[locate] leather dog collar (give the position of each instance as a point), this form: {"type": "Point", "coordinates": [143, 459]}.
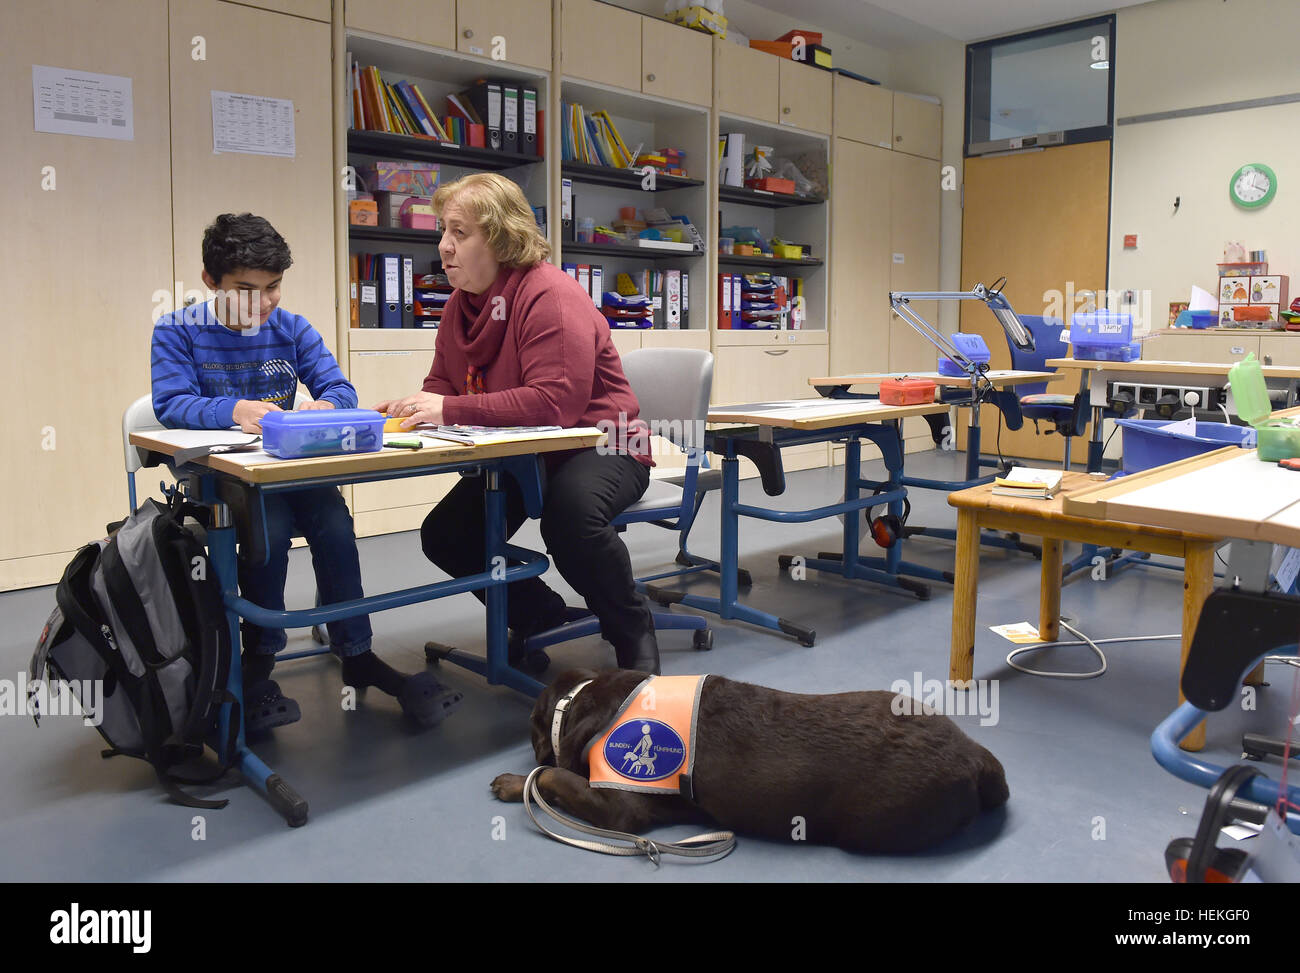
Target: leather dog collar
{"type": "Point", "coordinates": [557, 718]}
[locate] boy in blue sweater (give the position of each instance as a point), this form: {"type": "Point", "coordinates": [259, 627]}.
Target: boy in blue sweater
{"type": "Point", "coordinates": [228, 362]}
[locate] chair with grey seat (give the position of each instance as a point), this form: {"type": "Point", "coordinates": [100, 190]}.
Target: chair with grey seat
{"type": "Point", "coordinates": [672, 386]}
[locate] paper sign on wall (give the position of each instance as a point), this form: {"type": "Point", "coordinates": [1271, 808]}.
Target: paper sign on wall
{"type": "Point", "coordinates": [252, 124]}
{"type": "Point", "coordinates": [68, 102]}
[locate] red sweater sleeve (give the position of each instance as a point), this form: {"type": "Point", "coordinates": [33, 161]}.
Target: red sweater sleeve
{"type": "Point", "coordinates": [438, 381]}
{"type": "Point", "coordinates": [557, 362]}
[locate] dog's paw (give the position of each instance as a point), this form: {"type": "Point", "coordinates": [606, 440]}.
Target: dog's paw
{"type": "Point", "coordinates": [508, 787]}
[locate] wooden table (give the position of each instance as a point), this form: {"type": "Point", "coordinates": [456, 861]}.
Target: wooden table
{"type": "Point", "coordinates": [979, 508]}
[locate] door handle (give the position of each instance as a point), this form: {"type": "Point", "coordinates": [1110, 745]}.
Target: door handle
{"type": "Point", "coordinates": [776, 351]}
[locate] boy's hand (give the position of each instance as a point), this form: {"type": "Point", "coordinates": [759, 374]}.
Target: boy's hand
{"type": "Point", "coordinates": [420, 407]}
{"type": "Point", "coordinates": [249, 414]}
{"type": "Point", "coordinates": [305, 406]}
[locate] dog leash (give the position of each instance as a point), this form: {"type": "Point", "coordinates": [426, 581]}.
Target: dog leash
{"type": "Point", "coordinates": [715, 844]}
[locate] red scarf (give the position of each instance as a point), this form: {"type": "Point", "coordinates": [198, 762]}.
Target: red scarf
{"type": "Point", "coordinates": [479, 322]}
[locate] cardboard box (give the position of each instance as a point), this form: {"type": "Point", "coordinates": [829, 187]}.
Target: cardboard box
{"type": "Point", "coordinates": [363, 212]}
{"type": "Point", "coordinates": [772, 185]}
{"type": "Point", "coordinates": [410, 178]}
{"type": "Point", "coordinates": [700, 18]}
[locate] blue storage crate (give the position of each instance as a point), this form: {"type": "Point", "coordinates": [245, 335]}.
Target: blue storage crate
{"type": "Point", "coordinates": [1149, 442]}
{"type": "Point", "coordinates": [322, 432]}
{"type": "Point", "coordinates": [1104, 336]}
{"type": "Point", "coordinates": [970, 345]}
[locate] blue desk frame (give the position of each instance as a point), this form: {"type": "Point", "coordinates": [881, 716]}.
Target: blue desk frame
{"type": "Point", "coordinates": [887, 570]}
{"type": "Point", "coordinates": [201, 484]}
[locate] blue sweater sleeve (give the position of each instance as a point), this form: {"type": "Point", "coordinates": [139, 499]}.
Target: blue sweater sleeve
{"type": "Point", "coordinates": [176, 399]}
{"type": "Point", "coordinates": [318, 370]}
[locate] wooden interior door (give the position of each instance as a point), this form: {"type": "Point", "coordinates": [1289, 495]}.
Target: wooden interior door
{"type": "Point", "coordinates": [1040, 219]}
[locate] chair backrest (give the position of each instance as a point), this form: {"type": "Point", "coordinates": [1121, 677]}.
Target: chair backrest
{"type": "Point", "coordinates": [1047, 344]}
{"type": "Point", "coordinates": [673, 386]}
{"type": "Point", "coordinates": [138, 417]}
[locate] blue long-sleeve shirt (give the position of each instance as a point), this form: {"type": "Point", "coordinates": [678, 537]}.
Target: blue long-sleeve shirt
{"type": "Point", "coordinates": [201, 368]}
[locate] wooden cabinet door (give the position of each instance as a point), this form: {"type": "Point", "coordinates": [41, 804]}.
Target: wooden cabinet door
{"type": "Point", "coordinates": [863, 112]}
{"type": "Point", "coordinates": [380, 375]}
{"type": "Point", "coordinates": [918, 126]}
{"type": "Point", "coordinates": [746, 82]}
{"type": "Point", "coordinates": [255, 52]}
{"type": "Point", "coordinates": [522, 26]}
{"type": "Point", "coordinates": [757, 373]}
{"type": "Point", "coordinates": [676, 62]}
{"type": "Point", "coordinates": [431, 22]}
{"type": "Point", "coordinates": [625, 341]}
{"type": "Point", "coordinates": [1279, 349]}
{"type": "Point", "coordinates": [860, 324]}
{"type": "Point", "coordinates": [90, 217]}
{"type": "Point", "coordinates": [601, 43]}
{"type": "Point", "coordinates": [805, 96]}
{"type": "Point", "coordinates": [312, 9]}
{"type": "Point", "coordinates": [914, 255]}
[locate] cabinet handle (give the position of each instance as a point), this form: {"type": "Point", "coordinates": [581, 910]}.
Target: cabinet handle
{"type": "Point", "coordinates": [777, 351]}
{"type": "Point", "coordinates": [649, 77]}
{"type": "Point", "coordinates": [190, 301]}
{"type": "Point", "coordinates": [1268, 359]}
{"type": "Point", "coordinates": [468, 34]}
{"type": "Point", "coordinates": [785, 110]}
{"type": "Point", "coordinates": [898, 138]}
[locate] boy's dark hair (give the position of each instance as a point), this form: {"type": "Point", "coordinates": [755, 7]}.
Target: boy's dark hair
{"type": "Point", "coordinates": [243, 240]}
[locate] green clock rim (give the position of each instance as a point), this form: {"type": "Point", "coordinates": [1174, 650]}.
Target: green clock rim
{"type": "Point", "coordinates": [1266, 198]}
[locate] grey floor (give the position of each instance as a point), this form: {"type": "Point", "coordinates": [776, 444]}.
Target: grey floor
{"type": "Point", "coordinates": [389, 802]}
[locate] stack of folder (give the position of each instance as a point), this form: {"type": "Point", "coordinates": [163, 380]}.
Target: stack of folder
{"type": "Point", "coordinates": [382, 290]}
{"type": "Point", "coordinates": [593, 138]}
{"type": "Point", "coordinates": [499, 115]}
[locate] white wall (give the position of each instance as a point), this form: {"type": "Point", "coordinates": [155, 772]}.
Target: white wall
{"type": "Point", "coordinates": [1174, 54]}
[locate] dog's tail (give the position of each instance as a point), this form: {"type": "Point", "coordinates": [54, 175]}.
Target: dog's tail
{"type": "Point", "coordinates": [992, 782]}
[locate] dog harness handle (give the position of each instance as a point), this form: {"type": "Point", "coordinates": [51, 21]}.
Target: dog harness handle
{"type": "Point", "coordinates": [714, 844]}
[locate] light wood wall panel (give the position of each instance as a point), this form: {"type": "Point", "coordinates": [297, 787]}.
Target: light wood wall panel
{"type": "Point", "coordinates": [1039, 219]}
{"type": "Point", "coordinates": [255, 52]}
{"type": "Point", "coordinates": [81, 262]}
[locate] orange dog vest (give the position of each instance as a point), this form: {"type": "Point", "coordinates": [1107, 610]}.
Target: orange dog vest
{"type": "Point", "coordinates": [649, 746]}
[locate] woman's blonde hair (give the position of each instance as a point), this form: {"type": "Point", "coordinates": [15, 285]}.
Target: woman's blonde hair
{"type": "Point", "coordinates": [498, 207]}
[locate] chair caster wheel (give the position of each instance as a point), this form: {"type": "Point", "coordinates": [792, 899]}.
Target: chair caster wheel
{"type": "Point", "coordinates": [702, 640]}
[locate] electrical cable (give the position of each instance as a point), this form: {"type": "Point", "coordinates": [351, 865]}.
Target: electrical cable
{"type": "Point", "coordinates": [1084, 640]}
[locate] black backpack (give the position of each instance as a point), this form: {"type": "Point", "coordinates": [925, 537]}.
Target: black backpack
{"type": "Point", "coordinates": [141, 612]}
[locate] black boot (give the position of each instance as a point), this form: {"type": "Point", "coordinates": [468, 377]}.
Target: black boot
{"type": "Point", "coordinates": [641, 655]}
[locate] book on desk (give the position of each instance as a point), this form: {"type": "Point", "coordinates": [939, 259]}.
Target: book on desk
{"type": "Point", "coordinates": [1022, 481]}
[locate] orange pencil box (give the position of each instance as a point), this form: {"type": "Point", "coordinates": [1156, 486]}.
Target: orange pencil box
{"type": "Point", "coordinates": [906, 391]}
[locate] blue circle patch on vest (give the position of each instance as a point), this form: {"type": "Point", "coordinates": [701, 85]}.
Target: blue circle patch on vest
{"type": "Point", "coordinates": [645, 750]}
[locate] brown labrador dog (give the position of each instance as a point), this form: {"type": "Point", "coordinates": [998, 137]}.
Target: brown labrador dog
{"type": "Point", "coordinates": [840, 769]}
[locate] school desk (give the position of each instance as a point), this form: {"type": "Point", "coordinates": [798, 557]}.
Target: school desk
{"type": "Point", "coordinates": [1202, 379]}
{"type": "Point", "coordinates": [767, 428]}
{"type": "Point", "coordinates": [1055, 522]}
{"type": "Point", "coordinates": [225, 482]}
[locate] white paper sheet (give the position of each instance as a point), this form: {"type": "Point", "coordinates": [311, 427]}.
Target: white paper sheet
{"type": "Point", "coordinates": [252, 124]}
{"type": "Point", "coordinates": [1202, 300]}
{"type": "Point", "coordinates": [69, 102]}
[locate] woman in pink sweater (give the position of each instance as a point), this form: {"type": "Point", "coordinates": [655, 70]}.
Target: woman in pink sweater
{"type": "Point", "coordinates": [521, 344]}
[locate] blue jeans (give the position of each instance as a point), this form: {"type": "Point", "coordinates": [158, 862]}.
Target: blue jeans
{"type": "Point", "coordinates": [321, 516]}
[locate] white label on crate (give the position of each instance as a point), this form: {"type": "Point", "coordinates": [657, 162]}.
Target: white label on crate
{"type": "Point", "coordinates": [1288, 569]}
{"type": "Point", "coordinates": [1237, 350]}
{"type": "Point", "coordinates": [1110, 327]}
{"type": "Point", "coordinates": [898, 258]}
{"type": "Point", "coordinates": [1065, 336]}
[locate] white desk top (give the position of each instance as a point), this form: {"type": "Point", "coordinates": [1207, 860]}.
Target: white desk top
{"type": "Point", "coordinates": [1000, 377]}
{"type": "Point", "coordinates": [1228, 492]}
{"type": "Point", "coordinates": [258, 466]}
{"type": "Point", "coordinates": [818, 413]}
{"type": "Point", "coordinates": [1174, 367]}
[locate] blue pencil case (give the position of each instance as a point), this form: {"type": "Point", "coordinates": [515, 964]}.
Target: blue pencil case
{"type": "Point", "coordinates": [322, 432]}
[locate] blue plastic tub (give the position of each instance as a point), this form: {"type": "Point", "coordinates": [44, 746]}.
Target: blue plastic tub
{"type": "Point", "coordinates": [1148, 443]}
{"type": "Point", "coordinates": [322, 432]}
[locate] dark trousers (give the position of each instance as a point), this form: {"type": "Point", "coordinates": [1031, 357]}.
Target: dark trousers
{"type": "Point", "coordinates": [322, 517]}
{"type": "Point", "coordinates": [583, 494]}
